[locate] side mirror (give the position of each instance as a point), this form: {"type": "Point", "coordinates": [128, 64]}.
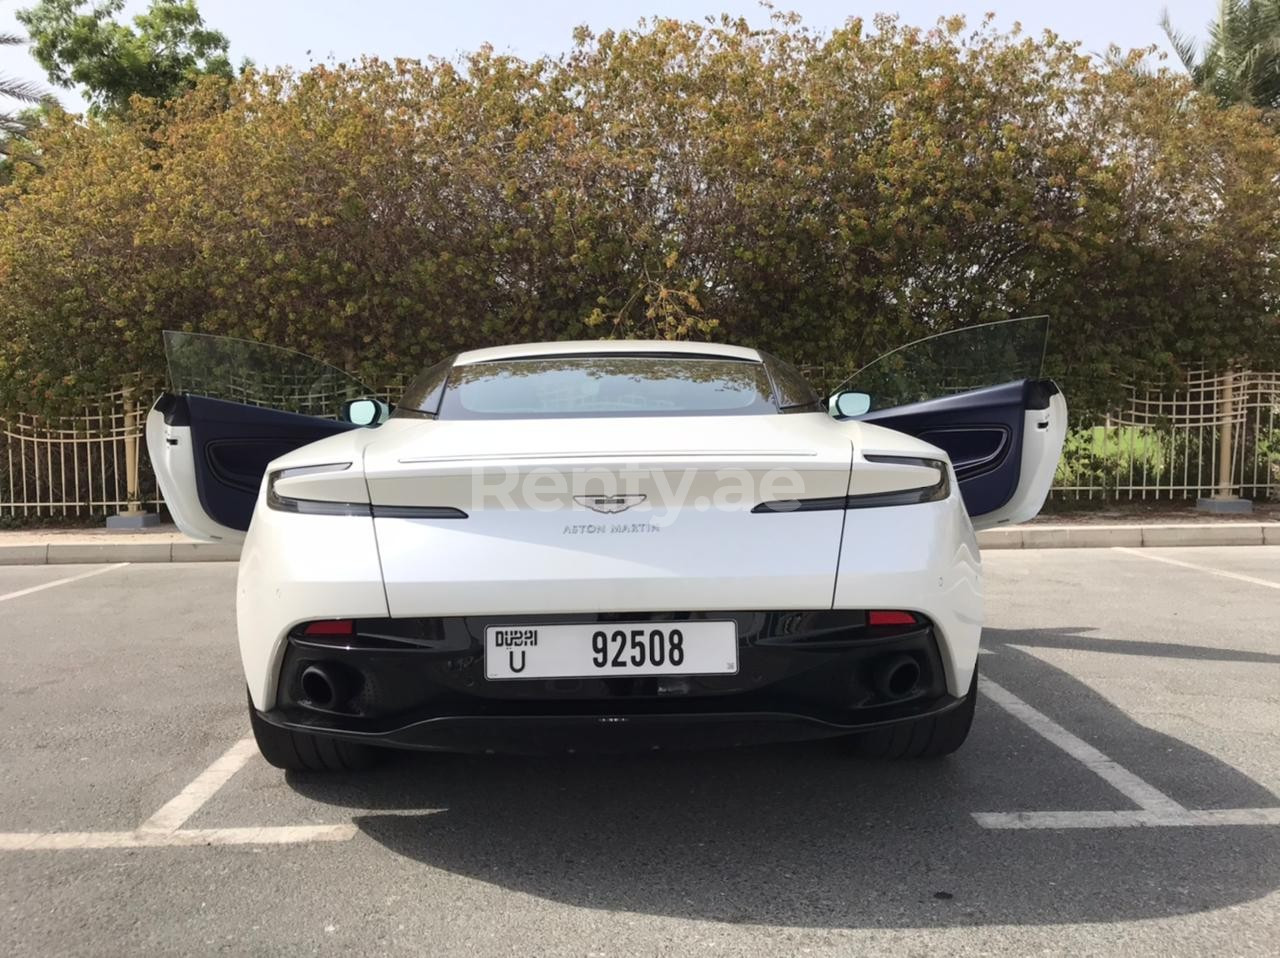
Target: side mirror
{"type": "Point", "coordinates": [849, 405]}
{"type": "Point", "coordinates": [365, 412]}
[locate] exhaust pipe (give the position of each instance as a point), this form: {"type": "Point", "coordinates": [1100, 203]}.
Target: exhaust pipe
{"type": "Point", "coordinates": [897, 677]}
{"type": "Point", "coordinates": [326, 686]}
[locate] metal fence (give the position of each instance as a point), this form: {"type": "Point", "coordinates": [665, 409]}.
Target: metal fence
{"type": "Point", "coordinates": [90, 464]}
{"type": "Point", "coordinates": [1168, 443]}
{"type": "Point", "coordinates": [1161, 444]}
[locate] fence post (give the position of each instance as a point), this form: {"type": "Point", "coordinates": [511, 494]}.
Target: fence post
{"type": "Point", "coordinates": [132, 516]}
{"type": "Point", "coordinates": [1225, 435]}
{"type": "Point", "coordinates": [1224, 500]}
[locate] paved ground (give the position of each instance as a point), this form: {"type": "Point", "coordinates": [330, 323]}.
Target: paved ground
{"type": "Point", "coordinates": [1124, 687]}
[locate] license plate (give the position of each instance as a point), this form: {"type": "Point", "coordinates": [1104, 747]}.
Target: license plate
{"type": "Point", "coordinates": [595, 650]}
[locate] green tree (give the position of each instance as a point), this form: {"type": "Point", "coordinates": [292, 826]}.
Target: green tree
{"type": "Point", "coordinates": [160, 56]}
{"type": "Point", "coordinates": [22, 105]}
{"type": "Point", "coordinates": [1240, 62]}
{"type": "Point", "coordinates": [823, 196]}
{"type": "Point", "coordinates": [25, 93]}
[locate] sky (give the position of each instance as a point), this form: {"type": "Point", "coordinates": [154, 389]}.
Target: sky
{"type": "Point", "coordinates": [300, 32]}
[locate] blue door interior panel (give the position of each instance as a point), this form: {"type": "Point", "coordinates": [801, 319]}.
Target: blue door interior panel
{"type": "Point", "coordinates": [232, 444]}
{"type": "Point", "coordinates": [981, 432]}
{"type": "Point", "coordinates": [972, 449]}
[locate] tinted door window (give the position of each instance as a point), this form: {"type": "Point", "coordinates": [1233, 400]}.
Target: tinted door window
{"type": "Point", "coordinates": [256, 374]}
{"type": "Point", "coordinates": [954, 362]}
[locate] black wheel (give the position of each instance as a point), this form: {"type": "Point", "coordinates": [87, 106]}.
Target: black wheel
{"type": "Point", "coordinates": [930, 737]}
{"type": "Point", "coordinates": [298, 751]}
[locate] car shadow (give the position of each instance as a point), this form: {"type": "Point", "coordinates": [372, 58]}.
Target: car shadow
{"type": "Point", "coordinates": [805, 836]}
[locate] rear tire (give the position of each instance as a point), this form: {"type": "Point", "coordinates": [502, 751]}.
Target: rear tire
{"type": "Point", "coordinates": [300, 752]}
{"type": "Point", "coordinates": [931, 737]}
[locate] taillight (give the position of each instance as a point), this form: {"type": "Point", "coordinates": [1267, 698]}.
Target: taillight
{"type": "Point", "coordinates": [885, 617]}
{"type": "Point", "coordinates": [316, 507]}
{"type": "Point", "coordinates": [905, 497]}
{"type": "Point", "coordinates": [330, 627]}
{"type": "Point", "coordinates": [935, 492]}
{"type": "Point", "coordinates": [323, 507]}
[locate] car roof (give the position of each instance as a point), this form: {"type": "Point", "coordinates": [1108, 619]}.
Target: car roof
{"type": "Point", "coordinates": [605, 347]}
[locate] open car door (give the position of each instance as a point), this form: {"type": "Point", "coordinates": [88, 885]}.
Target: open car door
{"type": "Point", "coordinates": [232, 407]}
{"type": "Point", "coordinates": [978, 394]}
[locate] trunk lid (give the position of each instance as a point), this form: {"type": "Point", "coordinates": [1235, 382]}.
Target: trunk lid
{"type": "Point", "coordinates": [627, 514]}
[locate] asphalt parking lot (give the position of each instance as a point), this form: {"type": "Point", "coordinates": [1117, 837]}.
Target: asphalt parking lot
{"type": "Point", "coordinates": [1119, 794]}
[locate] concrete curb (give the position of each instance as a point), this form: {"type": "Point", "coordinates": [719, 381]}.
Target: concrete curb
{"type": "Point", "coordinates": [99, 547]}
{"type": "Point", "coordinates": [1135, 537]}
{"type": "Point", "coordinates": [65, 553]}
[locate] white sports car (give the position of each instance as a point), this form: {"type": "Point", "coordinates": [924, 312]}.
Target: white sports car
{"type": "Point", "coordinates": [600, 545]}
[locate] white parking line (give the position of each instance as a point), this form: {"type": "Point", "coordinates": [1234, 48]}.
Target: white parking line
{"type": "Point", "coordinates": [1145, 796]}
{"type": "Point", "coordinates": [74, 841]}
{"type": "Point", "coordinates": [1155, 808]}
{"type": "Point", "coordinates": [71, 578]}
{"type": "Point", "coordinates": [164, 828]}
{"type": "Point", "coordinates": [178, 809]}
{"type": "Point", "coordinates": [1129, 819]}
{"type": "Point", "coordinates": [1144, 554]}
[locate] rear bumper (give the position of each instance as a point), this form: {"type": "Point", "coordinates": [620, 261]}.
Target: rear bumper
{"type": "Point", "coordinates": [420, 683]}
{"type": "Point", "coordinates": [919, 558]}
{"type": "Point", "coordinates": [599, 734]}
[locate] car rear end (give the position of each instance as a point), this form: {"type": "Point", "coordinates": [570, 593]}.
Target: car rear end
{"type": "Point", "coordinates": [607, 583]}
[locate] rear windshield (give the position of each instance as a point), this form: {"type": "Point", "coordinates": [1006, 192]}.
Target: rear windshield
{"type": "Point", "coordinates": [617, 385]}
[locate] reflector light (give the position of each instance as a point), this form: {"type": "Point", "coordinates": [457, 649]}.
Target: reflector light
{"type": "Point", "coordinates": [882, 617]}
{"type": "Point", "coordinates": [331, 627]}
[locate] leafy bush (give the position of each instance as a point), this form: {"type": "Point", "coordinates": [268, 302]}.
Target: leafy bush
{"type": "Point", "coordinates": [1104, 457]}
{"type": "Point", "coordinates": [823, 196]}
{"type": "Point", "coordinates": [1267, 458]}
